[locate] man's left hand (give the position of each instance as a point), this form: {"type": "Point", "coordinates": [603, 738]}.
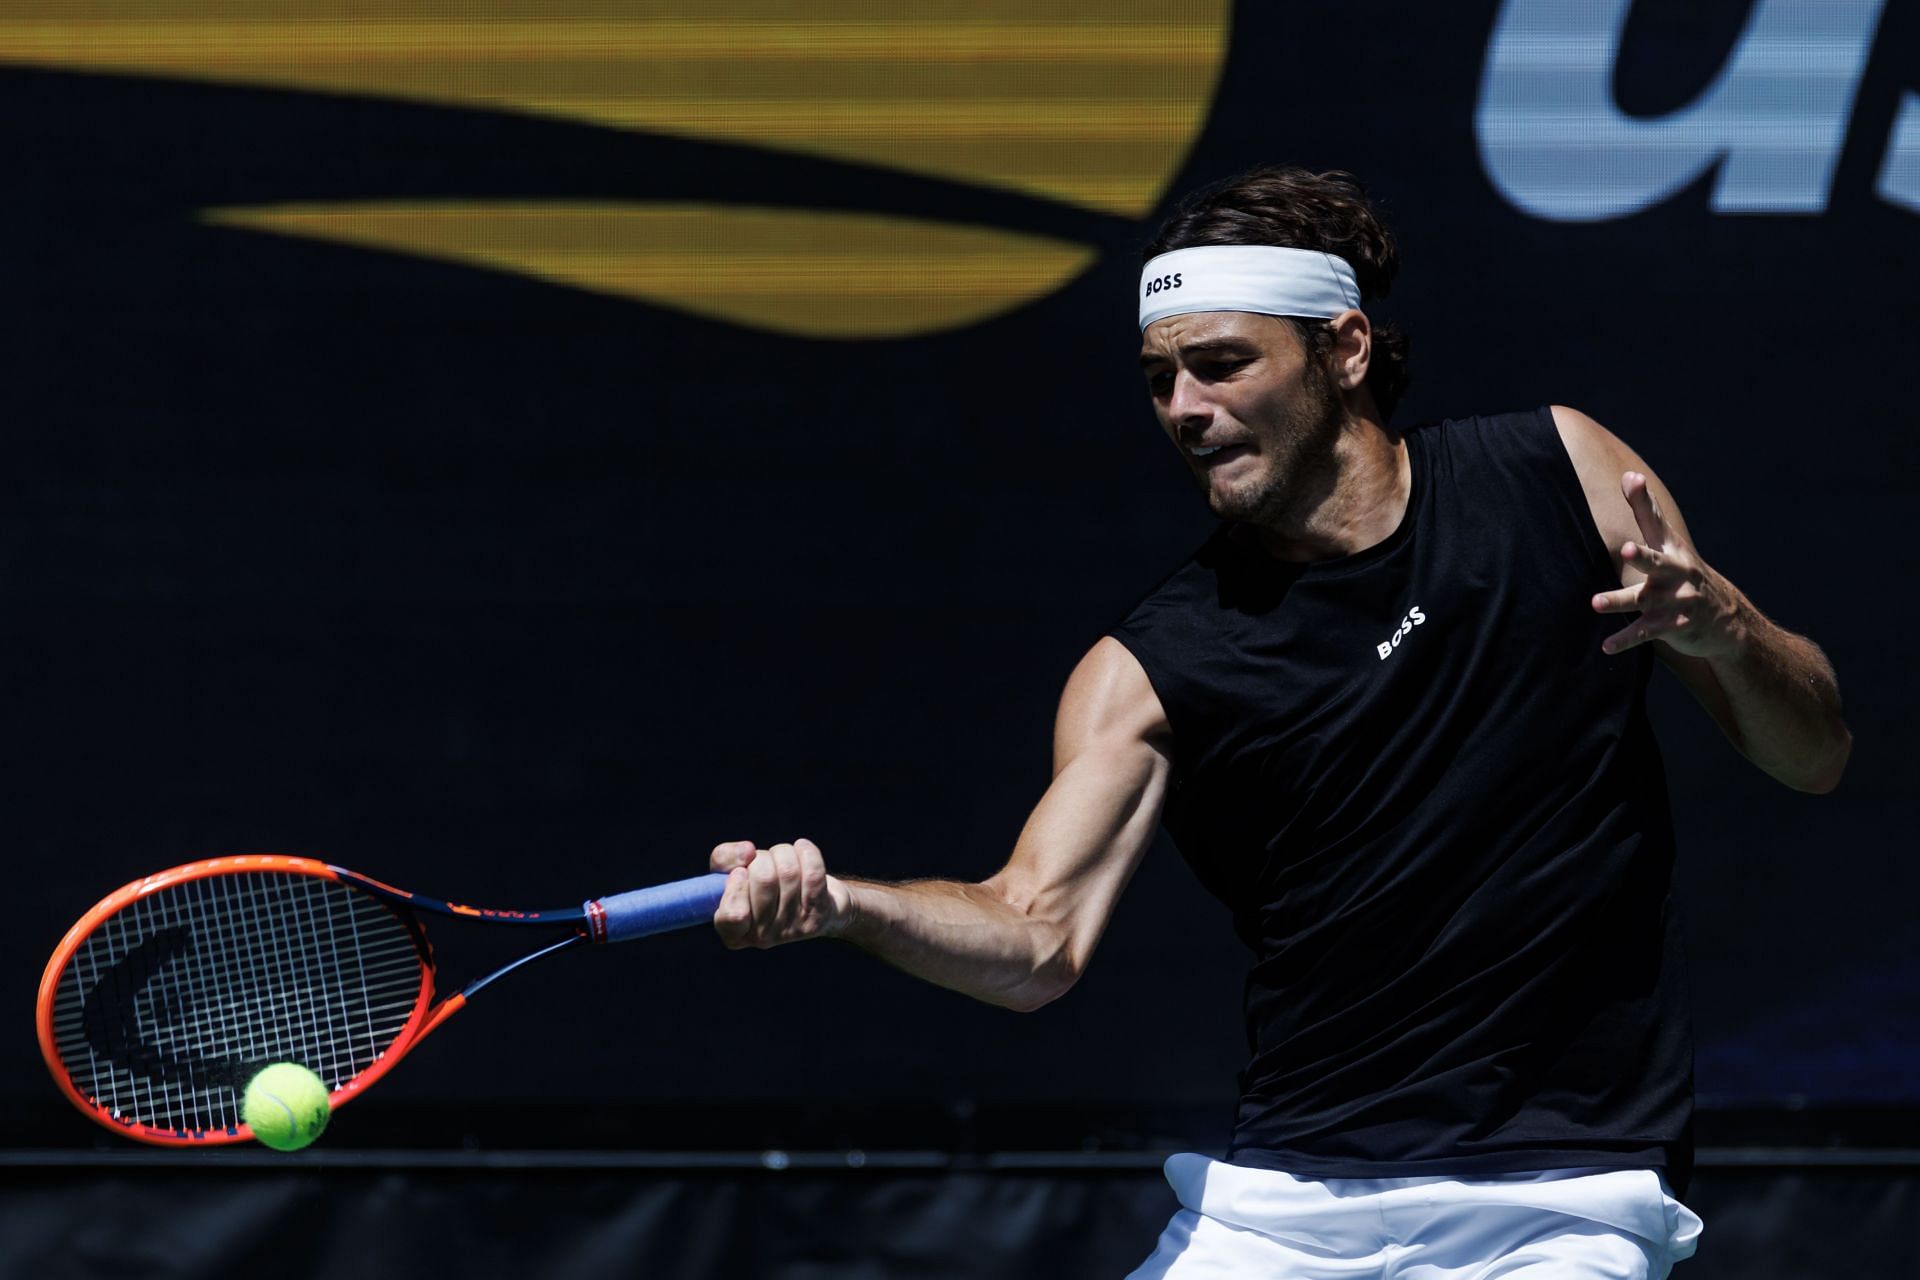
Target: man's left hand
{"type": "Point", "coordinates": [1682, 603]}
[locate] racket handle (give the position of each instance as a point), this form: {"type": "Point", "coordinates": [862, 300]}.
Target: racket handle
{"type": "Point", "coordinates": [679, 905]}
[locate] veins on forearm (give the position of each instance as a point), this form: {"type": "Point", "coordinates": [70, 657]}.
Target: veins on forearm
{"type": "Point", "coordinates": [1785, 702]}
{"type": "Point", "coordinates": [962, 936]}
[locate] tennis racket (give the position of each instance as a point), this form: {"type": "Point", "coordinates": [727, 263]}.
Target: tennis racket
{"type": "Point", "coordinates": [164, 1000]}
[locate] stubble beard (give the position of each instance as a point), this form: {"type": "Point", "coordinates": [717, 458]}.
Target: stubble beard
{"type": "Point", "coordinates": [1300, 460]}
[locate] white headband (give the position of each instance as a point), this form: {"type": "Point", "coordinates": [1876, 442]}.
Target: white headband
{"type": "Point", "coordinates": [1262, 278]}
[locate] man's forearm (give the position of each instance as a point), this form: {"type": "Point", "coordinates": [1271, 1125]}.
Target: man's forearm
{"type": "Point", "coordinates": [961, 936]}
{"type": "Point", "coordinates": [1785, 704]}
{"type": "Point", "coordinates": [1022, 936]}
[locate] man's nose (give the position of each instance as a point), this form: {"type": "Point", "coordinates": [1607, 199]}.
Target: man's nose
{"type": "Point", "coordinates": [1188, 406]}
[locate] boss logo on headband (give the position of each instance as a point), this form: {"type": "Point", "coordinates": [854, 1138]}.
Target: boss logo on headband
{"type": "Point", "coordinates": [1163, 283]}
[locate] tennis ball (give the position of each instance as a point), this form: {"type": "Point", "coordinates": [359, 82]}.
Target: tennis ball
{"type": "Point", "coordinates": [286, 1106]}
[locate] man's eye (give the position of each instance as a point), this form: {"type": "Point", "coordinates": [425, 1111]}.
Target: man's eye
{"type": "Point", "coordinates": [1160, 383]}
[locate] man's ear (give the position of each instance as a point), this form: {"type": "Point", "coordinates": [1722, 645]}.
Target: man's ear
{"type": "Point", "coordinates": [1352, 349]}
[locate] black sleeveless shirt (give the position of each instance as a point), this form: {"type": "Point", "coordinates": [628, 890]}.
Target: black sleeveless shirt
{"type": "Point", "coordinates": [1438, 815]}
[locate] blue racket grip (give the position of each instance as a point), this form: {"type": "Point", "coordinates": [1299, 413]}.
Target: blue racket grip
{"type": "Point", "coordinates": [664, 907]}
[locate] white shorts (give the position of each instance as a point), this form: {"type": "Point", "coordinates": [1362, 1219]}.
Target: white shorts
{"type": "Point", "coordinates": [1559, 1224]}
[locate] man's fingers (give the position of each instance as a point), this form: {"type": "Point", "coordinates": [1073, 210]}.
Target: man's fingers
{"type": "Point", "coordinates": [818, 910]}
{"type": "Point", "coordinates": [1625, 600]}
{"type": "Point", "coordinates": [813, 871]}
{"type": "Point", "coordinates": [734, 853]}
{"type": "Point", "coordinates": [1646, 513]}
{"type": "Point", "coordinates": [1648, 626]}
{"type": "Point", "coordinates": [1649, 560]}
{"type": "Point", "coordinates": [786, 865]}
{"type": "Point", "coordinates": [763, 894]}
{"type": "Point", "coordinates": [733, 918]}
{"type": "Point", "coordinates": [773, 895]}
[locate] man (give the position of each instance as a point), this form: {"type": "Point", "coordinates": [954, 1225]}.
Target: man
{"type": "Point", "coordinates": [1387, 715]}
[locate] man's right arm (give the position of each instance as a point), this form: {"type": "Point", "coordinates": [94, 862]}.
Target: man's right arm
{"type": "Point", "coordinates": [1023, 936]}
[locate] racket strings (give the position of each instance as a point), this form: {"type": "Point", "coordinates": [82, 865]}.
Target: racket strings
{"type": "Point", "coordinates": [167, 1009]}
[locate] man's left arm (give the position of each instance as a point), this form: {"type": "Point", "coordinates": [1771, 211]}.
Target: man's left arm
{"type": "Point", "coordinates": [1772, 692]}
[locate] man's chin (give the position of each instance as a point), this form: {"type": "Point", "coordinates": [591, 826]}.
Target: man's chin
{"type": "Point", "coordinates": [1233, 504]}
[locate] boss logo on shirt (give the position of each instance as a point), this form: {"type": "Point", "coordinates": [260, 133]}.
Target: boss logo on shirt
{"type": "Point", "coordinates": [1413, 619]}
{"type": "Point", "coordinates": [1160, 283]}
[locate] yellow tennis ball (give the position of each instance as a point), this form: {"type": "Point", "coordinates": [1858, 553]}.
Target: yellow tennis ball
{"type": "Point", "coordinates": [286, 1106]}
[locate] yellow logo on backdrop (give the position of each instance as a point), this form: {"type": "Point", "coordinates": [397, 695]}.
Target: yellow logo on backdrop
{"type": "Point", "coordinates": [1092, 103]}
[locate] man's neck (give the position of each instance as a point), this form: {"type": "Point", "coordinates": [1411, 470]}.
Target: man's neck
{"type": "Point", "coordinates": [1371, 480]}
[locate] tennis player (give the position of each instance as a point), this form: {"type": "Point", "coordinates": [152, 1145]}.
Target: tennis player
{"type": "Point", "coordinates": [1391, 715]}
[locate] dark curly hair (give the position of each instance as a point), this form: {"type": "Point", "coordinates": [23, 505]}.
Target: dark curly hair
{"type": "Point", "coordinates": [1299, 209]}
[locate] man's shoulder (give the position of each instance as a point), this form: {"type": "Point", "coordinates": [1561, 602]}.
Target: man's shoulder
{"type": "Point", "coordinates": [1514, 447]}
{"type": "Point", "coordinates": [1506, 427]}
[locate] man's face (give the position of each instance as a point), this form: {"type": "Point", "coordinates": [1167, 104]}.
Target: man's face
{"type": "Point", "coordinates": [1255, 419]}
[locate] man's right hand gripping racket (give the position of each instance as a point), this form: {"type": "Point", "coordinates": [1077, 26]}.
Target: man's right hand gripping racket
{"type": "Point", "coordinates": [167, 997]}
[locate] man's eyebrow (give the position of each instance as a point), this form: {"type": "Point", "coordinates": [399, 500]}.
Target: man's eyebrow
{"type": "Point", "coordinates": [1236, 346]}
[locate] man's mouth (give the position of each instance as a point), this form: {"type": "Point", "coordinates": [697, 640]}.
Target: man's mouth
{"type": "Point", "coordinates": [1217, 450]}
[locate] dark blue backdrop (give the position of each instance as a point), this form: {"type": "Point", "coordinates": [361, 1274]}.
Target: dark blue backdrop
{"type": "Point", "coordinates": [520, 593]}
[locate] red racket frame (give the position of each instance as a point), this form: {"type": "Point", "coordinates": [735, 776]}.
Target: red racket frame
{"type": "Point", "coordinates": [424, 1019]}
